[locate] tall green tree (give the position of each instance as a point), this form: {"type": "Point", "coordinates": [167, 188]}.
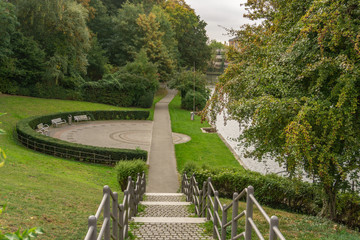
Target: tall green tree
{"type": "Point", "coordinates": [59, 26]}
{"type": "Point", "coordinates": [295, 85]}
{"type": "Point", "coordinates": [126, 40]}
{"type": "Point", "coordinates": [21, 59]}
{"type": "Point", "coordinates": [153, 45]}
{"type": "Point", "coordinates": [190, 34]}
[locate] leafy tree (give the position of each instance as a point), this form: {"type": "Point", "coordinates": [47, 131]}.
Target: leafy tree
{"type": "Point", "coordinates": [190, 34]}
{"type": "Point", "coordinates": [9, 23]}
{"type": "Point", "coordinates": [168, 38]}
{"type": "Point", "coordinates": [217, 49]}
{"type": "Point", "coordinates": [295, 85]}
{"type": "Point", "coordinates": [191, 84]}
{"type": "Point", "coordinates": [101, 24]}
{"type": "Point", "coordinates": [21, 59]}
{"type": "Point", "coordinates": [153, 45]}
{"type": "Point", "coordinates": [126, 40]}
{"type": "Point", "coordinates": [60, 28]}
{"type": "Point", "coordinates": [98, 62]}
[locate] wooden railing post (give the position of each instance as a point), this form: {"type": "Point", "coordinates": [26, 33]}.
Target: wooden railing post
{"type": "Point", "coordinates": [223, 222]}
{"type": "Point", "coordinates": [274, 222]}
{"type": "Point", "coordinates": [121, 221]}
{"type": "Point", "coordinates": [183, 182]}
{"type": "Point", "coordinates": [115, 211]}
{"type": "Point", "coordinates": [208, 209]}
{"type": "Point", "coordinates": [92, 223]}
{"type": "Point", "coordinates": [249, 213]}
{"type": "Point", "coordinates": [143, 183]}
{"type": "Point", "coordinates": [203, 204]}
{"type": "Point", "coordinates": [106, 192]}
{"type": "Point", "coordinates": [234, 214]}
{"type": "Point", "coordinates": [216, 207]}
{"type": "Point", "coordinates": [200, 203]}
{"type": "Point", "coordinates": [196, 196]}
{"type": "Point", "coordinates": [126, 213]}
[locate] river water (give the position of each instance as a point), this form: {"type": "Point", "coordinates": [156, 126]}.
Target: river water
{"type": "Point", "coordinates": [230, 130]}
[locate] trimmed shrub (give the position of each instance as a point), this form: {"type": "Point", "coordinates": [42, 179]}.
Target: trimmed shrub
{"type": "Point", "coordinates": [146, 100]}
{"type": "Point", "coordinates": [124, 169]}
{"type": "Point", "coordinates": [38, 142]}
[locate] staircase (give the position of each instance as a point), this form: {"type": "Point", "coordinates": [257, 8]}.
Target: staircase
{"type": "Point", "coordinates": [167, 216]}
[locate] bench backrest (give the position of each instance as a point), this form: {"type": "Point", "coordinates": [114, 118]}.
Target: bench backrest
{"type": "Point", "coordinates": [81, 117]}
{"type": "Point", "coordinates": [56, 120]}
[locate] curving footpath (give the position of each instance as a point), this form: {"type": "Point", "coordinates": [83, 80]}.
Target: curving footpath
{"type": "Point", "coordinates": [163, 176]}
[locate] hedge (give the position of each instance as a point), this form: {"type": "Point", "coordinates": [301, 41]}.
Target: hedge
{"type": "Point", "coordinates": [32, 139]}
{"type": "Point", "coordinates": [281, 192]}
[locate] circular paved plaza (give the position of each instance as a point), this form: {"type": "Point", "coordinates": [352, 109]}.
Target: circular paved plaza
{"type": "Point", "coordinates": [128, 134]}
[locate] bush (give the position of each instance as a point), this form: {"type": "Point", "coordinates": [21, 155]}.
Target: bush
{"type": "Point", "coordinates": [348, 209]}
{"type": "Point", "coordinates": [25, 130]}
{"type": "Point", "coordinates": [188, 102]}
{"type": "Point", "coordinates": [271, 189]}
{"type": "Point", "coordinates": [184, 82]}
{"type": "Point", "coordinates": [146, 100]}
{"type": "Point", "coordinates": [124, 169]}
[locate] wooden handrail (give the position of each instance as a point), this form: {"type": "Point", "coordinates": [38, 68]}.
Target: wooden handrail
{"type": "Point", "coordinates": [207, 204]}
{"type": "Point", "coordinates": [116, 219]}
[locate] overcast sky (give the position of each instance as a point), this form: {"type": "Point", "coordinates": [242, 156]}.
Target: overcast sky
{"type": "Point", "coordinates": [226, 13]}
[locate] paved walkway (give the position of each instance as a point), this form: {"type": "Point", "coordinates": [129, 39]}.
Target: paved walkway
{"type": "Point", "coordinates": [163, 176]}
{"type": "Point", "coordinates": [167, 216]}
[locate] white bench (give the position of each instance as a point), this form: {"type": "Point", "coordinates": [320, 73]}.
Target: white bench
{"type": "Point", "coordinates": [43, 129]}
{"type": "Point", "coordinates": [57, 121]}
{"type": "Point", "coordinates": [80, 118]}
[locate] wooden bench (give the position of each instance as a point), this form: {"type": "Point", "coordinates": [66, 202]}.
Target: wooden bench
{"type": "Point", "coordinates": [80, 118]}
{"type": "Point", "coordinates": [43, 129]}
{"type": "Point", "coordinates": [57, 121]}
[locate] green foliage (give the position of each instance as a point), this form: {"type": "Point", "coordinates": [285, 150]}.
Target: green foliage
{"type": "Point", "coordinates": [27, 234]}
{"type": "Point", "coordinates": [132, 85]}
{"type": "Point", "coordinates": [9, 23]}
{"type": "Point", "coordinates": [2, 152]}
{"type": "Point", "coordinates": [25, 128]}
{"type": "Point", "coordinates": [190, 34]}
{"type": "Point", "coordinates": [154, 47]}
{"type": "Point", "coordinates": [98, 62]}
{"type": "Point", "coordinates": [191, 96]}
{"type": "Point", "coordinates": [65, 45]}
{"type": "Point", "coordinates": [294, 86]}
{"type": "Point", "coordinates": [132, 168]}
{"type": "Point", "coordinates": [126, 40]}
{"type": "Point", "coordinates": [184, 82]}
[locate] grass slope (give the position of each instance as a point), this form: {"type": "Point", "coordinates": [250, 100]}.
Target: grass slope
{"type": "Point", "coordinates": [204, 148]}
{"type": "Point", "coordinates": [44, 191]}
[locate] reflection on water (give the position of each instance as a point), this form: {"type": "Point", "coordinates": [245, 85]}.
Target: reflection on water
{"type": "Point", "coordinates": [230, 132]}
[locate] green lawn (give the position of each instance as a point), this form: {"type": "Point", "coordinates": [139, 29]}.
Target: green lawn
{"type": "Point", "coordinates": [44, 191]}
{"type": "Point", "coordinates": [204, 148]}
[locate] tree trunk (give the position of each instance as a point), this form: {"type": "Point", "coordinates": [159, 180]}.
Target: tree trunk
{"type": "Point", "coordinates": [329, 207]}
